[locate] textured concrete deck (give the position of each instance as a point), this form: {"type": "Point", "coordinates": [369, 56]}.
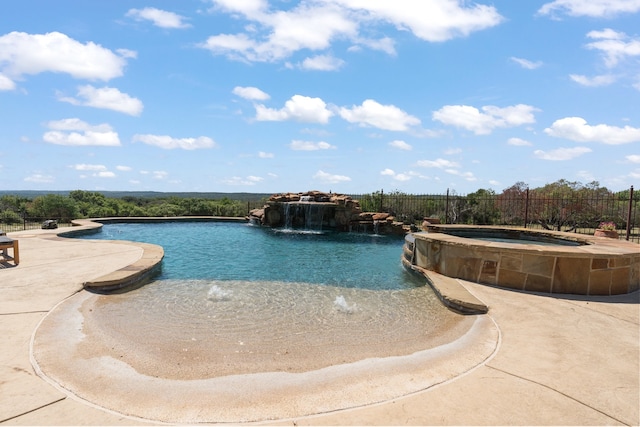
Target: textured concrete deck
{"type": "Point", "coordinates": [561, 360]}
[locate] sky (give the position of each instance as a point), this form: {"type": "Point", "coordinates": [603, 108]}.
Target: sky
{"type": "Point", "coordinates": [348, 96]}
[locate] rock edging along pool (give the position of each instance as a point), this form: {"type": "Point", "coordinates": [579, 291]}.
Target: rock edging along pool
{"type": "Point", "coordinates": [529, 260]}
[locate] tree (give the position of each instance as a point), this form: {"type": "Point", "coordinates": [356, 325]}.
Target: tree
{"type": "Point", "coordinates": [569, 205]}
{"type": "Point", "coordinates": [483, 207]}
{"type": "Point", "coordinates": [54, 206]}
{"type": "Point", "coordinates": [512, 204]}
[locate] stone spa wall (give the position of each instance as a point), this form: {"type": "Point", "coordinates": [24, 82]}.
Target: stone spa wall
{"type": "Point", "coordinates": [594, 266]}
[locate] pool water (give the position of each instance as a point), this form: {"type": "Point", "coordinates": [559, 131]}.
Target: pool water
{"type": "Point", "coordinates": [237, 299]}
{"type": "Point", "coordinates": [229, 251]}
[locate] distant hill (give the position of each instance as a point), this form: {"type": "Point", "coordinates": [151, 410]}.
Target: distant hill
{"type": "Point", "coordinates": [31, 194]}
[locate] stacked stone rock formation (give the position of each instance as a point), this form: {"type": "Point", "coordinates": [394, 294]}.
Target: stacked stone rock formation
{"type": "Point", "coordinates": [337, 212]}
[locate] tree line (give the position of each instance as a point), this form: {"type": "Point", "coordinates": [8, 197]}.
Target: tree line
{"type": "Point", "coordinates": [562, 205]}
{"type": "Point", "coordinates": [93, 204]}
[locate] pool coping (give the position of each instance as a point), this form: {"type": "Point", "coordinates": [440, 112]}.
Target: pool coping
{"type": "Point", "coordinates": [152, 255]}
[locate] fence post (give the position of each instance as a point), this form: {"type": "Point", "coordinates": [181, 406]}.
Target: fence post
{"type": "Point", "coordinates": [629, 212]}
{"type": "Point", "coordinates": [381, 200]}
{"type": "Point", "coordinates": [526, 208]}
{"type": "Point", "coordinates": [446, 209]}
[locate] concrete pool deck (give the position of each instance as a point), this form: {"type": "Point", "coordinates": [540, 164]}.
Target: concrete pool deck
{"type": "Point", "coordinates": [561, 359]}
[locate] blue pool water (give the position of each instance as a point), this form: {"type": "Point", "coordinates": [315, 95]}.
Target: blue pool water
{"type": "Point", "coordinates": [231, 251]}
{"type": "Point", "coordinates": [237, 299]}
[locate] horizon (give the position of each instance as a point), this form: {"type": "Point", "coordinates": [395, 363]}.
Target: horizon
{"type": "Point", "coordinates": [252, 96]}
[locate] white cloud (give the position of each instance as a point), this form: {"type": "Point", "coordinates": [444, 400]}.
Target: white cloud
{"type": "Point", "coordinates": [22, 54]}
{"type": "Point", "coordinates": [633, 158]}
{"type": "Point", "coordinates": [159, 18]}
{"type": "Point", "coordinates": [448, 166]}
{"type": "Point", "coordinates": [250, 93]}
{"type": "Point", "coordinates": [299, 108]}
{"type": "Point", "coordinates": [322, 63]}
{"type": "Point", "coordinates": [614, 46]}
{"type": "Point", "coordinates": [400, 145]}
{"type": "Point", "coordinates": [518, 142]}
{"type": "Point", "coordinates": [312, 25]}
{"type": "Point", "coordinates": [39, 178]}
{"type": "Point", "coordinates": [592, 8]}
{"type": "Point", "coordinates": [385, 44]}
{"type": "Point", "coordinates": [105, 174]}
{"type": "Point", "coordinates": [429, 20]}
{"type": "Point", "coordinates": [99, 171]}
{"type": "Point", "coordinates": [87, 167]}
{"type": "Point", "coordinates": [372, 113]}
{"type": "Point", "coordinates": [561, 153]}
{"type": "Point", "coordinates": [159, 175]}
{"type": "Point", "coordinates": [108, 98]}
{"type": "Point", "coordinates": [402, 177]}
{"type": "Point", "coordinates": [485, 121]}
{"type": "Point", "coordinates": [278, 35]}
{"type": "Point", "coordinates": [328, 178]}
{"type": "Point", "coordinates": [245, 7]}
{"type": "Point", "coordinates": [466, 175]}
{"type": "Point", "coordinates": [75, 132]}
{"type": "Point", "coordinates": [247, 181]}
{"type": "Point", "coordinates": [388, 172]}
{"type": "Point", "coordinates": [310, 146]}
{"type": "Point", "coordinates": [75, 124]}
{"type": "Point", "coordinates": [124, 168]}
{"type": "Point", "coordinates": [168, 143]}
{"type": "Point", "coordinates": [264, 155]}
{"type": "Point", "coordinates": [602, 80]}
{"type": "Point", "coordinates": [452, 151]}
{"type": "Point", "coordinates": [577, 129]}
{"type": "Point", "coordinates": [438, 163]}
{"type": "Point", "coordinates": [525, 63]}
{"type": "Point", "coordinates": [6, 83]}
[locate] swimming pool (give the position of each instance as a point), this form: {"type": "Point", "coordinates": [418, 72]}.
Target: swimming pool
{"type": "Point", "coordinates": [229, 251]}
{"type": "Point", "coordinates": [246, 324]}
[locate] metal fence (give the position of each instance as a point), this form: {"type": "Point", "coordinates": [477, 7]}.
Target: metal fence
{"type": "Point", "coordinates": [30, 223]}
{"type": "Point", "coordinates": [579, 213]}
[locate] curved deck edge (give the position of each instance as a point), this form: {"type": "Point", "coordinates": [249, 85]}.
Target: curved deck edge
{"type": "Point", "coordinates": [142, 269]}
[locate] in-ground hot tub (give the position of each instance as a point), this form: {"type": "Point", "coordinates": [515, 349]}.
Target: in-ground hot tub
{"type": "Point", "coordinates": [541, 261]}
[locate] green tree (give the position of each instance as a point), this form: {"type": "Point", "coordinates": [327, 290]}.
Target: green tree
{"type": "Point", "coordinates": [53, 206]}
{"type": "Point", "coordinates": [482, 207]}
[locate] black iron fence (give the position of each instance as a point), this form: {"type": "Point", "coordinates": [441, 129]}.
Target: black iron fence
{"type": "Point", "coordinates": [31, 223]}
{"type": "Point", "coordinates": [579, 213]}
{"type": "Point", "coordinates": [576, 212]}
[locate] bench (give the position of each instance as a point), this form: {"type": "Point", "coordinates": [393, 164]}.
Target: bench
{"type": "Point", "coordinates": [7, 243]}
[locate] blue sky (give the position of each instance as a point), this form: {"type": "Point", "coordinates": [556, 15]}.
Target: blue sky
{"type": "Point", "coordinates": [349, 96]}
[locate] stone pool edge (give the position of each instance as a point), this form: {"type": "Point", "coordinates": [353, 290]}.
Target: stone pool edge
{"type": "Point", "coordinates": [451, 293]}
{"type": "Point", "coordinates": [148, 264]}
